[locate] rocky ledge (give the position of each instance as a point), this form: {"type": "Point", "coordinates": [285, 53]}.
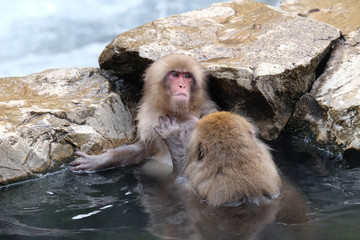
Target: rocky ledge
{"type": "Point", "coordinates": [329, 113]}
{"type": "Point", "coordinates": [285, 71]}
{"type": "Point", "coordinates": [261, 60]}
{"type": "Point", "coordinates": [45, 117]}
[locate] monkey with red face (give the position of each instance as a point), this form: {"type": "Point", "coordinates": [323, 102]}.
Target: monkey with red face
{"type": "Point", "coordinates": [174, 85]}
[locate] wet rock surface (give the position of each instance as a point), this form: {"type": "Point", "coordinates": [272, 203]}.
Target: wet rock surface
{"type": "Point", "coordinates": [261, 60]}
{"type": "Point", "coordinates": [45, 117]}
{"type": "Point", "coordinates": [330, 112]}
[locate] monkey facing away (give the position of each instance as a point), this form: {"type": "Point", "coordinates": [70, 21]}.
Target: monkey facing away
{"type": "Point", "coordinates": [225, 163]}
{"type": "Point", "coordinates": [174, 85]}
{"type": "Point", "coordinates": [238, 188]}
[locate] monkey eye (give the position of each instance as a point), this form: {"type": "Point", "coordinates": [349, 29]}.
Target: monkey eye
{"type": "Point", "coordinates": [187, 75]}
{"type": "Point", "coordinates": [174, 74]}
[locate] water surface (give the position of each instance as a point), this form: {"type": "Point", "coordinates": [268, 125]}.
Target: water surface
{"type": "Point", "coordinates": [123, 204]}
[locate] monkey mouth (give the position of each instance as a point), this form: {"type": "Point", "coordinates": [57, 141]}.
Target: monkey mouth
{"type": "Point", "coordinates": [181, 97]}
{"type": "Point", "coordinates": [181, 100]}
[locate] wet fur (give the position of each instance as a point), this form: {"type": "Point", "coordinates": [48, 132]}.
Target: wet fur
{"type": "Point", "coordinates": [228, 163]}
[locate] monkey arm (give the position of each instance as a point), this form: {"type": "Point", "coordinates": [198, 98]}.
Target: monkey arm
{"type": "Point", "coordinates": [121, 156]}
{"type": "Point", "coordinates": [176, 138]}
{"type": "Point", "coordinates": [178, 153]}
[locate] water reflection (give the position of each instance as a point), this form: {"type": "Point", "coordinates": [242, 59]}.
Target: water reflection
{"type": "Point", "coordinates": [65, 205]}
{"type": "Point", "coordinates": [176, 213]}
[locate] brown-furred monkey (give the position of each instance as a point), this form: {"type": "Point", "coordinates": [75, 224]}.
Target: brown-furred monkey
{"type": "Point", "coordinates": [227, 179]}
{"type": "Point", "coordinates": [174, 85]}
{"type": "Point", "coordinates": [224, 162]}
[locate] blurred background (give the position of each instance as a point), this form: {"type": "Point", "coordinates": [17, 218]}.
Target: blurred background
{"type": "Point", "coordinates": [41, 34]}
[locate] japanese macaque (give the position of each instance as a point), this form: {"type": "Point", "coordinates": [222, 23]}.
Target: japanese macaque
{"type": "Point", "coordinates": [238, 188]}
{"type": "Point", "coordinates": [225, 163]}
{"type": "Point", "coordinates": [174, 85]}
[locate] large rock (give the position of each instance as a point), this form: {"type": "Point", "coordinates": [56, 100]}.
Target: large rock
{"type": "Point", "coordinates": [261, 60]}
{"type": "Point", "coordinates": [344, 14]}
{"type": "Point", "coordinates": [330, 112]}
{"type": "Point", "coordinates": [45, 116]}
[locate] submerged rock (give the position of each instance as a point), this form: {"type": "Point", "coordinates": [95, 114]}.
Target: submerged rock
{"type": "Point", "coordinates": [261, 60]}
{"type": "Point", "coordinates": [344, 14]}
{"type": "Point", "coordinates": [45, 117]}
{"type": "Point", "coordinates": [330, 112]}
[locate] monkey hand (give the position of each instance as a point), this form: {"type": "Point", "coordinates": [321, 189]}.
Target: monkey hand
{"type": "Point", "coordinates": [88, 163]}
{"type": "Point", "coordinates": [175, 137]}
{"type": "Point", "coordinates": [168, 128]}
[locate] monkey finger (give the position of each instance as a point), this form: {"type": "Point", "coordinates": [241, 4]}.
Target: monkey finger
{"type": "Point", "coordinates": [73, 168]}
{"type": "Point", "coordinates": [174, 121]}
{"type": "Point", "coordinates": [158, 130]}
{"type": "Point", "coordinates": [79, 164]}
{"type": "Point", "coordinates": [75, 163]}
{"type": "Point", "coordinates": [80, 157]}
{"type": "Point", "coordinates": [161, 120]}
{"type": "Point", "coordinates": [81, 154]}
{"type": "Point", "coordinates": [78, 168]}
{"type": "Point", "coordinates": [167, 121]}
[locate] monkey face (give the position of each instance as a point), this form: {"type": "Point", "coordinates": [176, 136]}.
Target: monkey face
{"type": "Point", "coordinates": [176, 84]}
{"type": "Point", "coordinates": [179, 85]}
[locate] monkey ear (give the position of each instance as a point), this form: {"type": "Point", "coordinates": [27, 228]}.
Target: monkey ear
{"type": "Point", "coordinates": [201, 152]}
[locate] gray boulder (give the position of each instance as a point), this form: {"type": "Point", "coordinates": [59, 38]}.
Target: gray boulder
{"type": "Point", "coordinates": [261, 60]}
{"type": "Point", "coordinates": [45, 117]}
{"type": "Point", "coordinates": [330, 112]}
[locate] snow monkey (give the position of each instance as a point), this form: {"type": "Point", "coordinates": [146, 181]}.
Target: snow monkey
{"type": "Point", "coordinates": [174, 85]}
{"type": "Point", "coordinates": [226, 179]}
{"type": "Point", "coordinates": [224, 162]}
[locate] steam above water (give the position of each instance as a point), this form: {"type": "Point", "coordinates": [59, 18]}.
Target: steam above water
{"type": "Point", "coordinates": [41, 34]}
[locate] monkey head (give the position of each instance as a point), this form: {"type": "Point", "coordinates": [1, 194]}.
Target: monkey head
{"type": "Point", "coordinates": [228, 164]}
{"type": "Point", "coordinates": [176, 83]}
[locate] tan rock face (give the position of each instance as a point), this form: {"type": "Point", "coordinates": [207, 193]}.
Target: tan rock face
{"type": "Point", "coordinates": [331, 110]}
{"type": "Point", "coordinates": [261, 60]}
{"type": "Point", "coordinates": [45, 116]}
{"type": "Point", "coordinates": [344, 14]}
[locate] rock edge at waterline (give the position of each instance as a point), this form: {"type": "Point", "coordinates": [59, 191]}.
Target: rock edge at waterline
{"type": "Point", "coordinates": [45, 117]}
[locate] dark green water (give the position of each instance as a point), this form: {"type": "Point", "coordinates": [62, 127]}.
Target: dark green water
{"type": "Point", "coordinates": [117, 204]}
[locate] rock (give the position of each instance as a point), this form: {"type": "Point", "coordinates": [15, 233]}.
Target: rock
{"type": "Point", "coordinates": [330, 112]}
{"type": "Point", "coordinates": [261, 60]}
{"type": "Point", "coordinates": [344, 14]}
{"type": "Point", "coordinates": [45, 117]}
